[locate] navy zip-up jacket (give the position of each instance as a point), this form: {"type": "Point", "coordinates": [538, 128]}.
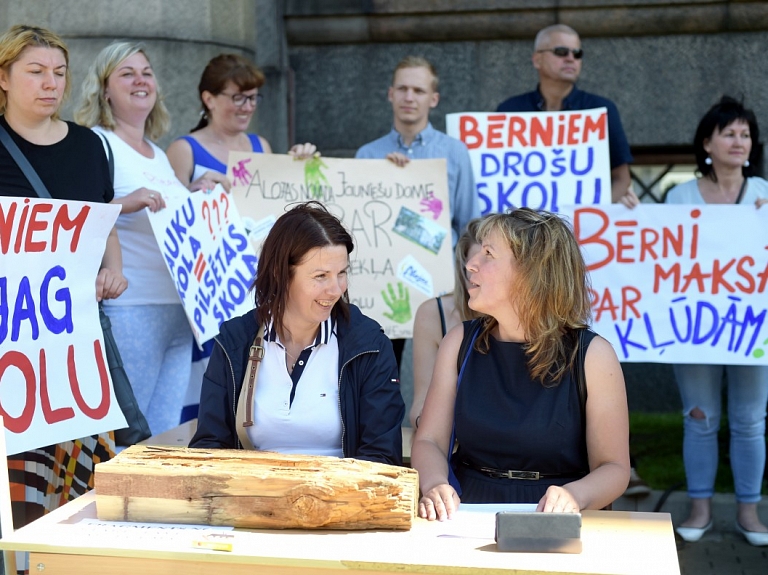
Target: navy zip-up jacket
{"type": "Point", "coordinates": [372, 408]}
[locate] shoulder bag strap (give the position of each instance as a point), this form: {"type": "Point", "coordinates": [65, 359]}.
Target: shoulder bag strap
{"type": "Point", "coordinates": [21, 160]}
{"type": "Point", "coordinates": [741, 191]}
{"type": "Point", "coordinates": [244, 412]}
{"type": "Point", "coordinates": [443, 327]}
{"type": "Point", "coordinates": [110, 157]}
{"type": "Point", "coordinates": [581, 383]}
{"type": "Point", "coordinates": [466, 347]}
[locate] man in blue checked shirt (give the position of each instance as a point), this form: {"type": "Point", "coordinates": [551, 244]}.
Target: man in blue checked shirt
{"type": "Point", "coordinates": [413, 94]}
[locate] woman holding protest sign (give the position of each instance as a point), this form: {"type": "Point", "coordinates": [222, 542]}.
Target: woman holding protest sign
{"type": "Point", "coordinates": [325, 379]}
{"type": "Point", "coordinates": [229, 94]}
{"type": "Point", "coordinates": [70, 164]}
{"type": "Point", "coordinates": [122, 103]}
{"type": "Point", "coordinates": [536, 401]}
{"type": "Point", "coordinates": [726, 159]}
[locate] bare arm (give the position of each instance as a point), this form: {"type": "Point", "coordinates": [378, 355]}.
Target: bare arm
{"type": "Point", "coordinates": [607, 437]}
{"type": "Point", "coordinates": [620, 183]}
{"type": "Point", "coordinates": [426, 341]}
{"type": "Point", "coordinates": [182, 161]}
{"type": "Point", "coordinates": [139, 199]}
{"type": "Point", "coordinates": [110, 281]}
{"type": "Point", "coordinates": [429, 454]}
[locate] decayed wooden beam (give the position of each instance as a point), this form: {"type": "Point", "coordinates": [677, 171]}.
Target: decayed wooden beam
{"type": "Point", "coordinates": [254, 489]}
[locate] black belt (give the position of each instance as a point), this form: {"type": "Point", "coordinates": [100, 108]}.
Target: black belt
{"type": "Point", "coordinates": [512, 474]}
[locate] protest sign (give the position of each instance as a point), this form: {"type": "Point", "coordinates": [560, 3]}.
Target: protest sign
{"type": "Point", "coordinates": [54, 380]}
{"type": "Point", "coordinates": [668, 286]}
{"type": "Point", "coordinates": [539, 160]}
{"type": "Point", "coordinates": [212, 264]}
{"type": "Point", "coordinates": [399, 219]}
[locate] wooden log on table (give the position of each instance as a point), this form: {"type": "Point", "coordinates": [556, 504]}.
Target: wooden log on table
{"type": "Point", "coordinates": [254, 489]}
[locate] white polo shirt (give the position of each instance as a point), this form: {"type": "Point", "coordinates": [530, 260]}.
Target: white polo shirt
{"type": "Point", "coordinates": [299, 412]}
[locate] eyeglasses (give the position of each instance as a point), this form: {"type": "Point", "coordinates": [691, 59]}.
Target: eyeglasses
{"type": "Point", "coordinates": [562, 52]}
{"type": "Point", "coordinates": [239, 100]}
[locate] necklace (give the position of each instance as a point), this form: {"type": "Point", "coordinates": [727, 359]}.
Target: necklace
{"type": "Point", "coordinates": [293, 357]}
{"type": "Point", "coordinates": [219, 140]}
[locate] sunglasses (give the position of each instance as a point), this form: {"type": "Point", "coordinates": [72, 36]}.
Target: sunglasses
{"type": "Point", "coordinates": [562, 52]}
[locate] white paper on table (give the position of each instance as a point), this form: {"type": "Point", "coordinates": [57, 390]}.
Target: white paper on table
{"type": "Point", "coordinates": [478, 521]}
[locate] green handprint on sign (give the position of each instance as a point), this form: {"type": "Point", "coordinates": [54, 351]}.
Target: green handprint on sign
{"type": "Point", "coordinates": [400, 304]}
{"type": "Point", "coordinates": [314, 178]}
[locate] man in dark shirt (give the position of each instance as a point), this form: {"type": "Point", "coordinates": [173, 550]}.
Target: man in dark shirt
{"type": "Point", "coordinates": [557, 56]}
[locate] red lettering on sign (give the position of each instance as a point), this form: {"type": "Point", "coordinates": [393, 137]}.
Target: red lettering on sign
{"type": "Point", "coordinates": [51, 415]}
{"type": "Point", "coordinates": [21, 362]}
{"type": "Point", "coordinates": [468, 132]}
{"type": "Point", "coordinates": [102, 409]}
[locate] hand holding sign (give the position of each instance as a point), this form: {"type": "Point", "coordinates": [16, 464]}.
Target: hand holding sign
{"type": "Point", "coordinates": [54, 384]}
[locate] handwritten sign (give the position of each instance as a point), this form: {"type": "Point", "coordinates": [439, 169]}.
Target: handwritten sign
{"type": "Point", "coordinates": [668, 286]}
{"type": "Point", "coordinates": [54, 380]}
{"type": "Point", "coordinates": [399, 219]}
{"type": "Point", "coordinates": [213, 265]}
{"type": "Point", "coordinates": [540, 160]}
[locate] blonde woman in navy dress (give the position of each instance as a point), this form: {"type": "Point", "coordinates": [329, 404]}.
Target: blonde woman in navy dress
{"type": "Point", "coordinates": [522, 435]}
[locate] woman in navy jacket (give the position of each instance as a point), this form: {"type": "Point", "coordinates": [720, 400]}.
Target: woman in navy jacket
{"type": "Point", "coordinates": [328, 382]}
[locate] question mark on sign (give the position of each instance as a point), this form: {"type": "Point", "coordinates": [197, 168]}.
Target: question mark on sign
{"type": "Point", "coordinates": [225, 201]}
{"type": "Point", "coordinates": [206, 212]}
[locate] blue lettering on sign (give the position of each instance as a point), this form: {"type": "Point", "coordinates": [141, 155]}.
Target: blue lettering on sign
{"type": "Point", "coordinates": [590, 162]}
{"type": "Point", "coordinates": [527, 202]}
{"type": "Point", "coordinates": [221, 304]}
{"type": "Point", "coordinates": [531, 160]}
{"type": "Point", "coordinates": [699, 324]}
{"type": "Point", "coordinates": [25, 307]}
{"type": "Point", "coordinates": [412, 274]}
{"type": "Point", "coordinates": [556, 173]}
{"type": "Point", "coordinates": [487, 203]}
{"type": "Point", "coordinates": [56, 325]}
{"type": "Point", "coordinates": [503, 203]}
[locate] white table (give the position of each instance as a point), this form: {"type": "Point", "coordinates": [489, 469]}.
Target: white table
{"type": "Point", "coordinates": [622, 543]}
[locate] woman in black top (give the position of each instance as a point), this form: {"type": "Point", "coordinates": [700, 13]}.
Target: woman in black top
{"type": "Point", "coordinates": [70, 160]}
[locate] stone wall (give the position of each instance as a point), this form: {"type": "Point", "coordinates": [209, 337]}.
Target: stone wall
{"type": "Point", "coordinates": [663, 64]}
{"type": "Point", "coordinates": [180, 36]}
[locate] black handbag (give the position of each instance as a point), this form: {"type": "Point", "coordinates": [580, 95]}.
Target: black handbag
{"type": "Point", "coordinates": [138, 428]}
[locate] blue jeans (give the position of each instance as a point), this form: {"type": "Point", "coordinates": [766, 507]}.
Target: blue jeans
{"type": "Point", "coordinates": [700, 387]}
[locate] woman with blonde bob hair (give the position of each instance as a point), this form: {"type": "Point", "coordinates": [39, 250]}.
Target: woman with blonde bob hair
{"type": "Point", "coordinates": [524, 433]}
{"type": "Point", "coordinates": [70, 163]}
{"type": "Point", "coordinates": [95, 109]}
{"type": "Point", "coordinates": [122, 104]}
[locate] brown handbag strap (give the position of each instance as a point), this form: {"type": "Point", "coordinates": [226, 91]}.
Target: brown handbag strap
{"type": "Point", "coordinates": [244, 412]}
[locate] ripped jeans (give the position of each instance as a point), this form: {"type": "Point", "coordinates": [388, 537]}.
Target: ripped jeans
{"type": "Point", "coordinates": [700, 387]}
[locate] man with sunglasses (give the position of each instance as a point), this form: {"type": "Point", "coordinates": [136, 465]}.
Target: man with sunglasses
{"type": "Point", "coordinates": [558, 56]}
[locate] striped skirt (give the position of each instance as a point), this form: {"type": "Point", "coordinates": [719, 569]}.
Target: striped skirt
{"type": "Point", "coordinates": [45, 479]}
